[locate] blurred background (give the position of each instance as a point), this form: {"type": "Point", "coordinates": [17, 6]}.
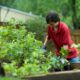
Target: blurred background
{"type": "Point", "coordinates": [69, 11]}
{"type": "Point", "coordinates": [29, 16]}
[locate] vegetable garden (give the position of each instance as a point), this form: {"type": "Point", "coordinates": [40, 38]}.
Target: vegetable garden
{"type": "Point", "coordinates": [21, 54]}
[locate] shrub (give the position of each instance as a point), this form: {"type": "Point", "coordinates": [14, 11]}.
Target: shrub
{"type": "Point", "coordinates": [38, 26]}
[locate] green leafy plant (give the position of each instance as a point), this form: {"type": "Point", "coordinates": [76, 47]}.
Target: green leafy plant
{"type": "Point", "coordinates": [58, 62]}
{"type": "Point", "coordinates": [21, 47]}
{"type": "Point", "coordinates": [38, 26]}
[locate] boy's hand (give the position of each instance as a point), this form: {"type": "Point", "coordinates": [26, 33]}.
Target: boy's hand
{"type": "Point", "coordinates": [44, 47]}
{"type": "Point", "coordinates": [65, 47]}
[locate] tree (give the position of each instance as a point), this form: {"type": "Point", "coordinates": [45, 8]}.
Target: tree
{"type": "Point", "coordinates": [68, 9]}
{"type": "Point", "coordinates": [74, 13]}
{"type": "Point", "coordinates": [6, 2]}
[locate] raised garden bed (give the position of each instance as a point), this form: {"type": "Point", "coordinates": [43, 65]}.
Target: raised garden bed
{"type": "Point", "coordinates": [60, 75]}
{"type": "Point", "coordinates": [35, 60]}
{"type": "Point", "coordinates": [64, 75]}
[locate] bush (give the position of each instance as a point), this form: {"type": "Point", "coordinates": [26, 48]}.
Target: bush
{"type": "Point", "coordinates": [18, 45]}
{"type": "Point", "coordinates": [38, 26]}
{"type": "Point", "coordinates": [68, 21]}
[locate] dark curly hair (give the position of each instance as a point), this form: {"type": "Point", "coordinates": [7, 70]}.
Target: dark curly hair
{"type": "Point", "coordinates": [52, 17]}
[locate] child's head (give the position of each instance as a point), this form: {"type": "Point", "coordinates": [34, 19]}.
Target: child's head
{"type": "Point", "coordinates": [52, 17]}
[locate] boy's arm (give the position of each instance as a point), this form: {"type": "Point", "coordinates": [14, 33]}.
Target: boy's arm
{"type": "Point", "coordinates": [45, 42]}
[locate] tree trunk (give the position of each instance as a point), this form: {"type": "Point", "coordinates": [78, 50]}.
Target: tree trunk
{"type": "Point", "coordinates": [74, 14]}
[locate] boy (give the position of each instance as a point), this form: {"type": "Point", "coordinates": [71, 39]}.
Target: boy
{"type": "Point", "coordinates": [58, 33]}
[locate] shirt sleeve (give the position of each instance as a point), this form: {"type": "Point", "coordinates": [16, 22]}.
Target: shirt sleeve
{"type": "Point", "coordinates": [66, 36]}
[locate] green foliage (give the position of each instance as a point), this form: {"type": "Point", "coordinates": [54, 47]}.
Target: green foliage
{"type": "Point", "coordinates": [17, 44]}
{"type": "Point", "coordinates": [69, 9]}
{"type": "Point", "coordinates": [68, 21]}
{"type": "Point", "coordinates": [11, 41]}
{"type": "Point", "coordinates": [6, 2]}
{"type": "Point", "coordinates": [63, 52]}
{"type": "Point", "coordinates": [38, 26]}
{"type": "Point", "coordinates": [58, 62]}
{"type": "Point", "coordinates": [43, 7]}
{"type": "Point", "coordinates": [78, 46]}
{"type": "Point", "coordinates": [40, 7]}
